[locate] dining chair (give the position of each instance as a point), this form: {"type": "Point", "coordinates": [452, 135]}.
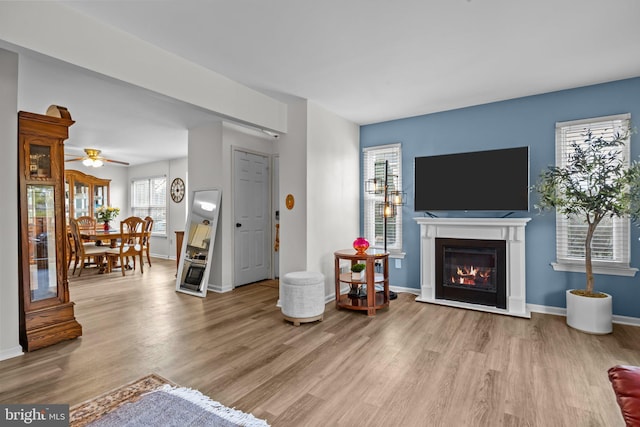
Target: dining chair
{"type": "Point", "coordinates": [87, 224]}
{"type": "Point", "coordinates": [148, 226]}
{"type": "Point", "coordinates": [84, 253]}
{"type": "Point", "coordinates": [131, 244]}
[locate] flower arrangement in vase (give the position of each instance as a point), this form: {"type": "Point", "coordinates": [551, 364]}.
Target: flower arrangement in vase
{"type": "Point", "coordinates": [106, 214]}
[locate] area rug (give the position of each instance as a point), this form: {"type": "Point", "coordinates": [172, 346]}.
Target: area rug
{"type": "Point", "coordinates": [155, 401]}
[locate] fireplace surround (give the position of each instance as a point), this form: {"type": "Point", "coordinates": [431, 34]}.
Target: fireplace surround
{"type": "Point", "coordinates": [509, 232]}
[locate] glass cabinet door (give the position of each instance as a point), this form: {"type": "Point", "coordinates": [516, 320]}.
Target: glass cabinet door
{"type": "Point", "coordinates": [86, 193]}
{"type": "Point", "coordinates": [81, 199]}
{"type": "Point", "coordinates": [100, 197]}
{"type": "Point", "coordinates": [39, 161]}
{"type": "Point", "coordinates": [67, 202]}
{"type": "Point", "coordinates": [41, 222]}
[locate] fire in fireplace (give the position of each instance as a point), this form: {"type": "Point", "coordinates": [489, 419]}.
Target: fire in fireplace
{"type": "Point", "coordinates": [471, 271]}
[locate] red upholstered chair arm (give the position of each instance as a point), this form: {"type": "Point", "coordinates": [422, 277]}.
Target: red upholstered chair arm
{"type": "Point", "coordinates": [626, 385]}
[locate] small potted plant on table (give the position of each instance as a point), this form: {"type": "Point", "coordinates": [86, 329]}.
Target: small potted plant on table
{"type": "Point", "coordinates": [357, 271]}
{"type": "Point", "coordinates": [357, 275]}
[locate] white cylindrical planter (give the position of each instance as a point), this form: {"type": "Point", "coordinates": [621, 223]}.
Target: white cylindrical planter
{"type": "Point", "coordinates": [591, 315]}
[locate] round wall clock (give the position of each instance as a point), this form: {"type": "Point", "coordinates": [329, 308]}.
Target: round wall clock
{"type": "Point", "coordinates": [177, 190]}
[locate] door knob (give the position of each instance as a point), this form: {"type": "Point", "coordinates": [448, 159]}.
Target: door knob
{"type": "Point", "coordinates": [238, 225]}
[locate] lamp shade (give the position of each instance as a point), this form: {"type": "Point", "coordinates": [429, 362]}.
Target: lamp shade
{"type": "Point", "coordinates": [361, 245]}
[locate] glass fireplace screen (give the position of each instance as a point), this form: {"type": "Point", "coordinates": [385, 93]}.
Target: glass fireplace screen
{"type": "Point", "coordinates": [470, 268]}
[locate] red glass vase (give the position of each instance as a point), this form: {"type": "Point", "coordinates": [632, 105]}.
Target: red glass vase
{"type": "Point", "coordinates": [105, 226]}
{"type": "Point", "coordinates": [360, 245]}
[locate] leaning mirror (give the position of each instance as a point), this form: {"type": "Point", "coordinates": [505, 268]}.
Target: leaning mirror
{"type": "Point", "coordinates": [197, 245]}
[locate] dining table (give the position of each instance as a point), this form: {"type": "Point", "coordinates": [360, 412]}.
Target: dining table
{"type": "Point", "coordinates": [100, 236]}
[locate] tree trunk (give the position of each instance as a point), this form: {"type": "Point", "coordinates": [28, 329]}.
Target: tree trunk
{"type": "Point", "coordinates": [587, 256]}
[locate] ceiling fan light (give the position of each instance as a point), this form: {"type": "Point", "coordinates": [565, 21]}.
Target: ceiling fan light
{"type": "Point", "coordinates": [97, 163]}
{"type": "Point", "coordinates": [87, 162]}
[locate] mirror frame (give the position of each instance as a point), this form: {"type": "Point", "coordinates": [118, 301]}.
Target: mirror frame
{"type": "Point", "coordinates": [213, 222]}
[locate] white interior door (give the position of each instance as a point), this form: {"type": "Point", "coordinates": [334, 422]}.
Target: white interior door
{"type": "Point", "coordinates": [252, 232]}
{"type": "Point", "coordinates": [275, 203]}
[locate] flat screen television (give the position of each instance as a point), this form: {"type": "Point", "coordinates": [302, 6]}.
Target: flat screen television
{"type": "Point", "coordinates": [492, 180]}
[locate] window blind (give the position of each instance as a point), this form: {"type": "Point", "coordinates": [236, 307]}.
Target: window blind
{"type": "Point", "coordinates": [610, 243]}
{"type": "Point", "coordinates": [149, 198]}
{"type": "Point", "coordinates": [374, 159]}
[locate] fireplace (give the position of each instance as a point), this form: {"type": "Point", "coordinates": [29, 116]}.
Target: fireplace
{"type": "Point", "coordinates": [471, 271]}
{"type": "Point", "coordinates": [495, 246]}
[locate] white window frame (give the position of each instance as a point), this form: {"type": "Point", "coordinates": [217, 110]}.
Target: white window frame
{"type": "Point", "coordinates": [157, 230]}
{"type": "Point", "coordinates": [370, 156]}
{"type": "Point", "coordinates": [614, 230]}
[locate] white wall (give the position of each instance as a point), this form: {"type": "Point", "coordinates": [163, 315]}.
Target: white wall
{"type": "Point", "coordinates": [9, 314]}
{"type": "Point", "coordinates": [292, 149]}
{"type": "Point", "coordinates": [333, 178]}
{"type": "Point", "coordinates": [177, 211]}
{"type": "Point", "coordinates": [205, 166]}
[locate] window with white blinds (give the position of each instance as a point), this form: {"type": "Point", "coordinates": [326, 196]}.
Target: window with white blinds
{"type": "Point", "coordinates": [149, 198]}
{"type": "Point", "coordinates": [373, 167]}
{"type": "Point", "coordinates": [610, 245]}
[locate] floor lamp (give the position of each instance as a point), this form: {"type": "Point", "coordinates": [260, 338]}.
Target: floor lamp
{"type": "Point", "coordinates": [385, 183]}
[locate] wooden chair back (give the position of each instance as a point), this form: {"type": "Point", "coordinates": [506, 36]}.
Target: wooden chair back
{"type": "Point", "coordinates": [148, 227]}
{"type": "Point", "coordinates": [87, 223]}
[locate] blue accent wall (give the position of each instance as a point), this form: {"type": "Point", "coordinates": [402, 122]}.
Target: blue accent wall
{"type": "Point", "coordinates": [528, 121]}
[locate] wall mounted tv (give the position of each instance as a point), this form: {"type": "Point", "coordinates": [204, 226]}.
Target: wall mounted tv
{"type": "Point", "coordinates": [493, 180]}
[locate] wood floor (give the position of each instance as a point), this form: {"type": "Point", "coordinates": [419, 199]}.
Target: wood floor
{"type": "Point", "coordinates": [414, 364]}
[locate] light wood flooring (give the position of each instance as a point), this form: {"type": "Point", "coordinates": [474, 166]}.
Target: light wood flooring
{"type": "Point", "coordinates": [414, 364]}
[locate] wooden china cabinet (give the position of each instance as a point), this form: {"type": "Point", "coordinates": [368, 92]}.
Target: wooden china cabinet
{"type": "Point", "coordinates": [84, 194]}
{"type": "Point", "coordinates": [46, 312]}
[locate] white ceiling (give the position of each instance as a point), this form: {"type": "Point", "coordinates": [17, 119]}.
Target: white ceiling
{"type": "Point", "coordinates": [374, 60]}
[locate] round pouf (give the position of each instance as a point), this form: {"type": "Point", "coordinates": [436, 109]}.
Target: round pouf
{"type": "Point", "coordinates": [302, 298]}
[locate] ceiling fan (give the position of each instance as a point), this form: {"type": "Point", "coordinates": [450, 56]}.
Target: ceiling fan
{"type": "Point", "coordinates": [93, 158]}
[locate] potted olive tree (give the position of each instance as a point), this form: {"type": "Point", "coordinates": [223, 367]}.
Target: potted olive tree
{"type": "Point", "coordinates": [594, 184]}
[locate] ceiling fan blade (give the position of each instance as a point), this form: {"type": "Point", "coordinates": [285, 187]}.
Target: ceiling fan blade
{"type": "Point", "coordinates": [74, 159]}
{"type": "Point", "coordinates": [115, 161]}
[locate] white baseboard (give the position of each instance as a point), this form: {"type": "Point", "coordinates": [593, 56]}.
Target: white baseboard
{"type": "Point", "coordinates": [11, 352]}
{"type": "Point", "coordinates": [401, 289]}
{"type": "Point", "coordinates": [544, 309]}
{"type": "Point", "coordinates": [559, 311]}
{"type": "Point", "coordinates": [626, 320]}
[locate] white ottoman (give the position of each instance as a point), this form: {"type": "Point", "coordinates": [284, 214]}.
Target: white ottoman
{"type": "Point", "coordinates": [302, 298]}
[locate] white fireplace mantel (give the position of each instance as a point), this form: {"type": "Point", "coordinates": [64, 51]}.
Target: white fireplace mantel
{"type": "Point", "coordinates": [511, 230]}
